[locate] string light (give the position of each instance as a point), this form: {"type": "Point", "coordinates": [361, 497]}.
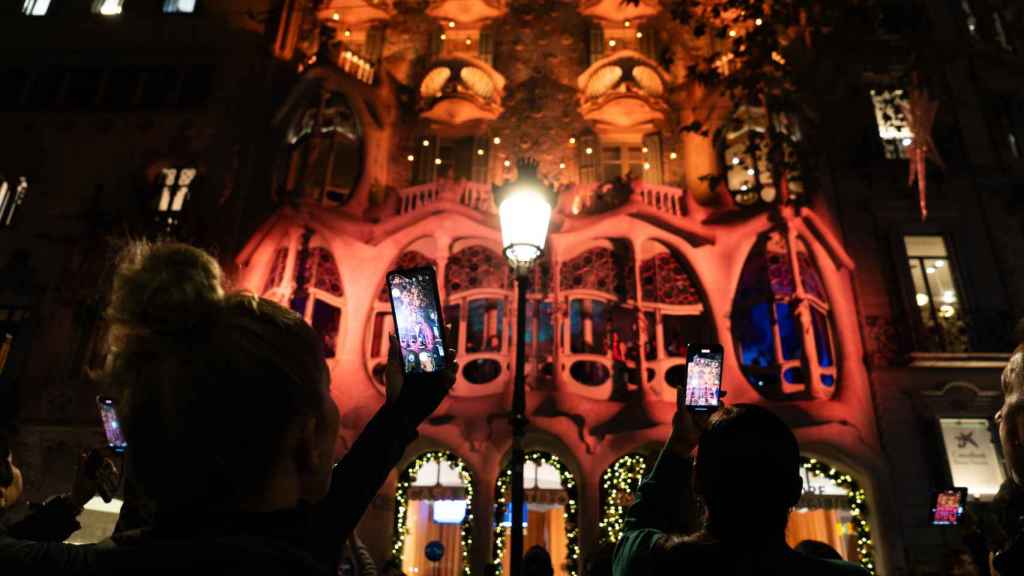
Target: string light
{"type": "Point", "coordinates": [857, 499]}
{"type": "Point", "coordinates": [572, 141]}
{"type": "Point", "coordinates": [627, 23]}
{"type": "Point", "coordinates": [405, 480]}
{"type": "Point", "coordinates": [589, 150]}
{"type": "Point", "coordinates": [348, 33]}
{"type": "Point", "coordinates": [437, 161]}
{"type": "Point", "coordinates": [507, 163]}
{"type": "Point", "coordinates": [639, 34]}
{"type": "Point", "coordinates": [673, 155]}
{"type": "Point", "coordinates": [469, 41]}
{"type": "Point", "coordinates": [479, 151]}
{"type": "Point", "coordinates": [426, 143]}
{"type": "Point", "coordinates": [732, 33]}
{"type": "Point", "coordinates": [410, 158]}
{"type": "Point", "coordinates": [335, 16]}
{"type": "Point", "coordinates": [618, 483]}
{"type": "Point", "coordinates": [644, 150]}
{"type": "Point", "coordinates": [451, 23]}
{"type": "Point", "coordinates": [611, 43]}
{"type": "Point", "coordinates": [561, 165]}
{"type": "Point", "coordinates": [497, 140]}
{"type": "Point", "coordinates": [759, 21]}
{"type": "Point", "coordinates": [444, 36]}
{"type": "Point", "coordinates": [570, 510]}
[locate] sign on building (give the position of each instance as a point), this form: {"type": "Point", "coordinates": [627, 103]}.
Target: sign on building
{"type": "Point", "coordinates": [973, 460]}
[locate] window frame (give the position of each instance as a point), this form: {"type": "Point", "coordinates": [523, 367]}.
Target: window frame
{"type": "Point", "coordinates": [31, 8]}
{"type": "Point", "coordinates": [919, 338]}
{"type": "Point", "coordinates": [97, 6]}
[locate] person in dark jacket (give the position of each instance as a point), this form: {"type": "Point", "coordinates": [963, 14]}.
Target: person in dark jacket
{"type": "Point", "coordinates": [747, 473]}
{"type": "Point", "coordinates": [231, 428]}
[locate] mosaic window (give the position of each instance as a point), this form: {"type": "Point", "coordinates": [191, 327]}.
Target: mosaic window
{"type": "Point", "coordinates": [663, 279]}
{"type": "Point", "coordinates": [476, 267]}
{"type": "Point", "coordinates": [276, 270]}
{"type": "Point", "coordinates": [781, 324]}
{"type": "Point", "coordinates": [322, 271]}
{"type": "Point", "coordinates": [601, 269]}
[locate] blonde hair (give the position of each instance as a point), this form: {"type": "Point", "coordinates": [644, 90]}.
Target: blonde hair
{"type": "Point", "coordinates": [211, 381]}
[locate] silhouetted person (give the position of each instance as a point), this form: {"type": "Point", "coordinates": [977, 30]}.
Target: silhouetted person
{"type": "Point", "coordinates": [1010, 419]}
{"type": "Point", "coordinates": [537, 562]}
{"type": "Point", "coordinates": [817, 549]}
{"type": "Point", "coordinates": [747, 472]}
{"type": "Point", "coordinates": [231, 430]}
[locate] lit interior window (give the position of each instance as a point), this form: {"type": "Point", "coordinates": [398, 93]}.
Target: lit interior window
{"type": "Point", "coordinates": [174, 193]}
{"type": "Point", "coordinates": [179, 6]}
{"type": "Point", "coordinates": [11, 196]}
{"type": "Point", "coordinates": [35, 7]}
{"type": "Point", "coordinates": [893, 127]}
{"type": "Point", "coordinates": [108, 7]}
{"type": "Point", "coordinates": [935, 294]}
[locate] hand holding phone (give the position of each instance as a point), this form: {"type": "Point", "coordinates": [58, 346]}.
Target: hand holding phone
{"type": "Point", "coordinates": [418, 394]}
{"type": "Point", "coordinates": [111, 423]}
{"type": "Point", "coordinates": [416, 309]}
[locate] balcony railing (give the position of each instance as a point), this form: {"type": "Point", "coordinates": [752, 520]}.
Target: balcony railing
{"type": "Point", "coordinates": [668, 200]}
{"type": "Point", "coordinates": [473, 195]}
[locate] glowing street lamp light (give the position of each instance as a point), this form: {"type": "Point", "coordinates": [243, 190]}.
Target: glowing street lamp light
{"type": "Point", "coordinates": [524, 207]}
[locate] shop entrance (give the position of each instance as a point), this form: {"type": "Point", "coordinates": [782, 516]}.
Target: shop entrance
{"type": "Point", "coordinates": [832, 510]}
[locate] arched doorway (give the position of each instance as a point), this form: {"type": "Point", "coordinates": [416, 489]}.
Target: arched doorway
{"type": "Point", "coordinates": [434, 502]}
{"type": "Point", "coordinates": [551, 513]}
{"type": "Point", "coordinates": [833, 510]}
{"type": "Point", "coordinates": [618, 485]}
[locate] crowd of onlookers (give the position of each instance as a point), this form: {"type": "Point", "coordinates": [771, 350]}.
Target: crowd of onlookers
{"type": "Point", "coordinates": [230, 468]}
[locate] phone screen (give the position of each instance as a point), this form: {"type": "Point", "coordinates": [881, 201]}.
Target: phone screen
{"type": "Point", "coordinates": [703, 376]}
{"type": "Point", "coordinates": [416, 307]}
{"type": "Point", "coordinates": [111, 424]}
{"type": "Point", "coordinates": [949, 506]}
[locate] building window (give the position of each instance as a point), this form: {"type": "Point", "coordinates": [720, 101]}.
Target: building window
{"type": "Point", "coordinates": [455, 158]}
{"type": "Point", "coordinates": [781, 321]}
{"type": "Point", "coordinates": [108, 7]}
{"type": "Point", "coordinates": [747, 155]}
{"type": "Point", "coordinates": [893, 128]}
{"type": "Point", "coordinates": [325, 150]}
{"type": "Point", "coordinates": [35, 7]}
{"type": "Point", "coordinates": [175, 188]}
{"type": "Point", "coordinates": [179, 6]}
{"type": "Point", "coordinates": [621, 161]}
{"type": "Point", "coordinates": [942, 326]}
{"type": "Point", "coordinates": [477, 285]}
{"type": "Point", "coordinates": [11, 196]}
{"type": "Point", "coordinates": [319, 295]}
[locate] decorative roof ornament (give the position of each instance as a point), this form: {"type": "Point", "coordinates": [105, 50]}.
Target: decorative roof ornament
{"type": "Point", "coordinates": [920, 113]}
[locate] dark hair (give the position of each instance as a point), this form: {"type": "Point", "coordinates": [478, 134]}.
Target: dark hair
{"type": "Point", "coordinates": [748, 471]}
{"type": "Point", "coordinates": [817, 549]}
{"type": "Point", "coordinates": [537, 562]}
{"type": "Point", "coordinates": [6, 472]}
{"type": "Point", "coordinates": [211, 382]}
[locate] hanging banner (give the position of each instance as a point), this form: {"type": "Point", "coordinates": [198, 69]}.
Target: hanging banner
{"type": "Point", "coordinates": [973, 460]}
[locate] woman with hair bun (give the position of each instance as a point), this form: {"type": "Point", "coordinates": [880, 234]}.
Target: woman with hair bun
{"type": "Point", "coordinates": [231, 427]}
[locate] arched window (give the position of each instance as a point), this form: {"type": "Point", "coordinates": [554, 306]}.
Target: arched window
{"type": "Point", "coordinates": [598, 290]}
{"type": "Point", "coordinates": [550, 516]}
{"type": "Point", "coordinates": [435, 503]}
{"type": "Point", "coordinates": [324, 150]}
{"type": "Point", "coordinates": [782, 321]}
{"type": "Point", "coordinates": [673, 316]}
{"type": "Point", "coordinates": [382, 326]}
{"type": "Point", "coordinates": [478, 289]}
{"type": "Point", "coordinates": [318, 294]}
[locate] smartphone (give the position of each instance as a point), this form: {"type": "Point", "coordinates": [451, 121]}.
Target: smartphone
{"type": "Point", "coordinates": [111, 423]}
{"type": "Point", "coordinates": [416, 308]}
{"type": "Point", "coordinates": [948, 506]}
{"type": "Point", "coordinates": [703, 389]}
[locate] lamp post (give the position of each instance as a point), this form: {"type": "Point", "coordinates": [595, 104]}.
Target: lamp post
{"type": "Point", "coordinates": [524, 207]}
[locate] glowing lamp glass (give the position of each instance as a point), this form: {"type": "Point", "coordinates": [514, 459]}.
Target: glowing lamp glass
{"type": "Point", "coordinates": [525, 214]}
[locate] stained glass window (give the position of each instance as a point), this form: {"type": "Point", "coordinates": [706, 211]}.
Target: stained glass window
{"type": "Point", "coordinates": [476, 267]}
{"type": "Point", "coordinates": [782, 324]}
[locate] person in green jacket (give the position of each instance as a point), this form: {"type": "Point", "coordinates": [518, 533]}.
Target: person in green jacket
{"type": "Point", "coordinates": [747, 474]}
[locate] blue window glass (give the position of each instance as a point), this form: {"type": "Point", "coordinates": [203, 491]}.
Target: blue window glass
{"type": "Point", "coordinates": [588, 326]}
{"type": "Point", "coordinates": [757, 345]}
{"type": "Point", "coordinates": [485, 325]}
{"type": "Point", "coordinates": [789, 331]}
{"type": "Point", "coordinates": [822, 338]}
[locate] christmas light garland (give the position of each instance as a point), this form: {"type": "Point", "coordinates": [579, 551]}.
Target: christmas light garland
{"type": "Point", "coordinates": [571, 510]}
{"type": "Point", "coordinates": [405, 480]}
{"type": "Point", "coordinates": [618, 483]}
{"type": "Point", "coordinates": [857, 499]}
{"type": "Point", "coordinates": [623, 477]}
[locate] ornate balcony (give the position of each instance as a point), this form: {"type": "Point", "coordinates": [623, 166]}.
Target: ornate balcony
{"type": "Point", "coordinates": [473, 195]}
{"type": "Point", "coordinates": [624, 90]}
{"type": "Point", "coordinates": [618, 11]}
{"type": "Point", "coordinates": [460, 89]}
{"type": "Point", "coordinates": [356, 12]}
{"type": "Point", "coordinates": [467, 11]}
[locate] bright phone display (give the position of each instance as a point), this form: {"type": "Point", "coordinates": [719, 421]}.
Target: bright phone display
{"type": "Point", "coordinates": [703, 376]}
{"type": "Point", "coordinates": [111, 424]}
{"type": "Point", "coordinates": [416, 308]}
{"type": "Point", "coordinates": [948, 506]}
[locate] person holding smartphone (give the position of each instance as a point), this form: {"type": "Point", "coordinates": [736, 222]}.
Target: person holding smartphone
{"type": "Point", "coordinates": [747, 474]}
{"type": "Point", "coordinates": [230, 429]}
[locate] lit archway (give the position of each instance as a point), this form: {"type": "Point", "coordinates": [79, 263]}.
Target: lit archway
{"type": "Point", "coordinates": [434, 495]}
{"type": "Point", "coordinates": [551, 509]}
{"type": "Point", "coordinates": [618, 485]}
{"type": "Point", "coordinates": [834, 510]}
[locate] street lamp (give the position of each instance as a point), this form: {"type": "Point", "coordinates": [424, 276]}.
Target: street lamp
{"type": "Point", "coordinates": [524, 207]}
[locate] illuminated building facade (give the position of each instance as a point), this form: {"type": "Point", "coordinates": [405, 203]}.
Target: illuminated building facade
{"type": "Point", "coordinates": [377, 134]}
